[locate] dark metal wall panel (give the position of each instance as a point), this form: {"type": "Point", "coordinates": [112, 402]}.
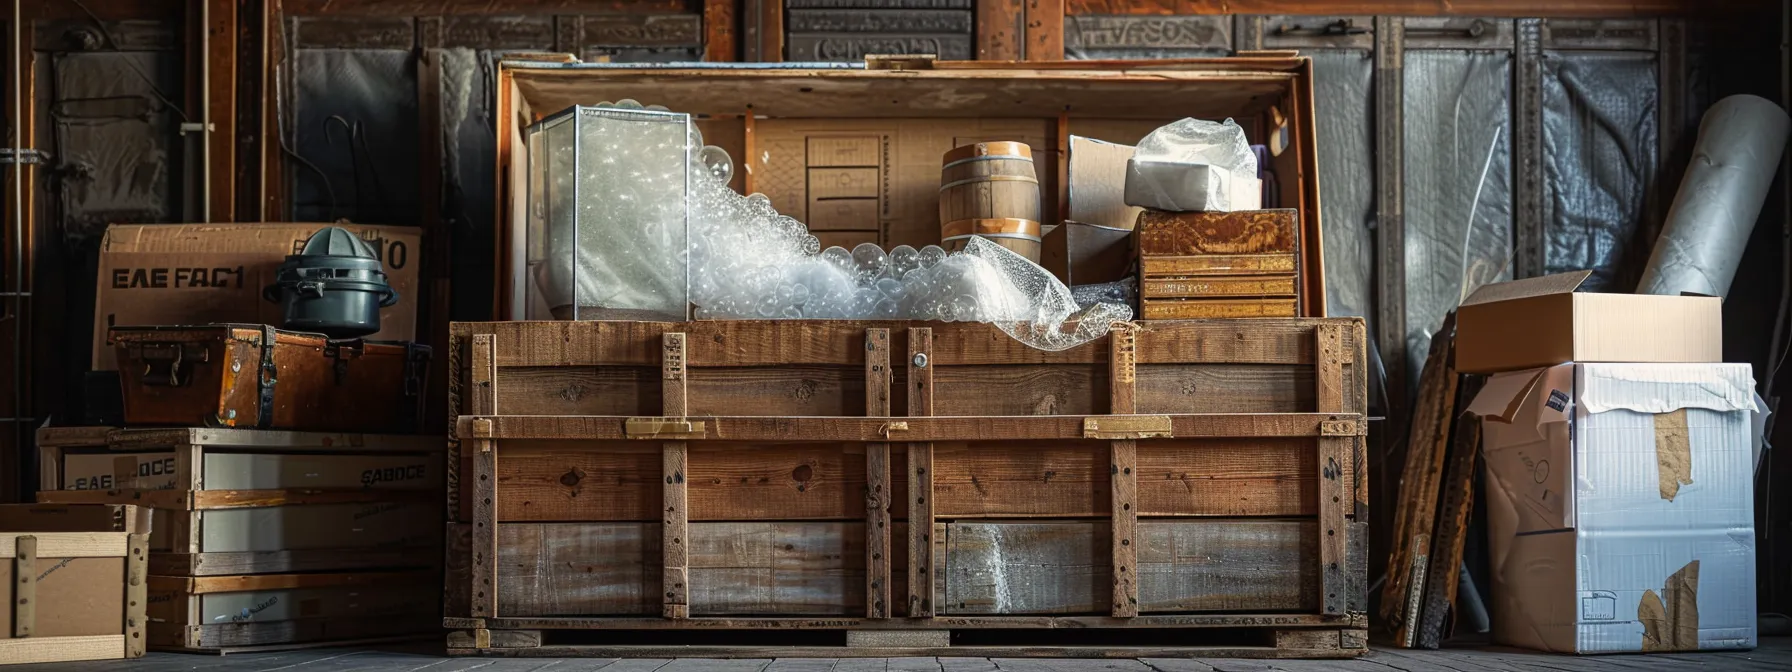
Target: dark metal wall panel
{"type": "Point", "coordinates": [113, 141]}
{"type": "Point", "coordinates": [1599, 158]}
{"type": "Point", "coordinates": [468, 159]}
{"type": "Point", "coordinates": [355, 120]}
{"type": "Point", "coordinates": [1343, 96]}
{"type": "Point", "coordinates": [1458, 193]}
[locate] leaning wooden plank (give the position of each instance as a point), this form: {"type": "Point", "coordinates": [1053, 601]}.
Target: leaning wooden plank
{"type": "Point", "coordinates": [1416, 510]}
{"type": "Point", "coordinates": [1452, 532]}
{"type": "Point", "coordinates": [1063, 567]}
{"type": "Point", "coordinates": [876, 429]}
{"type": "Point", "coordinates": [812, 568]}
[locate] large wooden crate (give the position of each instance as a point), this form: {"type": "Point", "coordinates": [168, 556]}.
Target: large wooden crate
{"type": "Point", "coordinates": [238, 501]}
{"type": "Point", "coordinates": [72, 580]}
{"type": "Point", "coordinates": [907, 480]}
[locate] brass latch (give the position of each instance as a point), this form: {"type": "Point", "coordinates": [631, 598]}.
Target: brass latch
{"type": "Point", "coordinates": [1127, 427]}
{"type": "Point", "coordinates": [662, 428]}
{"type": "Point", "coordinates": [1341, 427]}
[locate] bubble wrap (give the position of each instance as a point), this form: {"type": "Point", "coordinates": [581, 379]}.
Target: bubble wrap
{"type": "Point", "coordinates": [747, 261]}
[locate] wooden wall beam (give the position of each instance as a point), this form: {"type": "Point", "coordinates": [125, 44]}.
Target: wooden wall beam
{"type": "Point", "coordinates": [1045, 30]}
{"type": "Point", "coordinates": [220, 77]}
{"type": "Point", "coordinates": [1001, 29]}
{"type": "Point", "coordinates": [272, 197]}
{"type": "Point", "coordinates": [878, 490]}
{"type": "Point", "coordinates": [721, 31]}
{"type": "Point", "coordinates": [1587, 9]}
{"type": "Point", "coordinates": [762, 31]}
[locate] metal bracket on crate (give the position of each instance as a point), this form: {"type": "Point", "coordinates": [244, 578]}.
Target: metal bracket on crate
{"type": "Point", "coordinates": [1127, 427]}
{"type": "Point", "coordinates": [663, 428]}
{"type": "Point", "coordinates": [1343, 427]}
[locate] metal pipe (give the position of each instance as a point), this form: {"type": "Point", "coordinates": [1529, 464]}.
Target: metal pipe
{"type": "Point", "coordinates": [205, 110]}
{"type": "Point", "coordinates": [18, 229]}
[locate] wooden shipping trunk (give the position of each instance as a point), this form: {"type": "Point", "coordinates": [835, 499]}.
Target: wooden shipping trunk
{"type": "Point", "coordinates": [883, 476]}
{"type": "Point", "coordinates": [233, 501]}
{"type": "Point", "coordinates": [72, 579]}
{"type": "Point", "coordinates": [856, 153]}
{"type": "Point", "coordinates": [254, 376]}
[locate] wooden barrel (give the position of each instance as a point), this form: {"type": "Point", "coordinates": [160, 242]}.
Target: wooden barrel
{"type": "Point", "coordinates": [989, 180]}
{"type": "Point", "coordinates": [1020, 235]}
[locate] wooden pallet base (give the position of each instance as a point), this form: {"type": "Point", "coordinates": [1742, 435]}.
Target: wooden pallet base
{"type": "Point", "coordinates": [1324, 642]}
{"type": "Point", "coordinates": [221, 638]}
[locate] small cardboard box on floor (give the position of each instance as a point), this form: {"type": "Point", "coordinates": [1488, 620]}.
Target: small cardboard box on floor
{"type": "Point", "coordinates": [1620, 494]}
{"type": "Point", "coordinates": [160, 274]}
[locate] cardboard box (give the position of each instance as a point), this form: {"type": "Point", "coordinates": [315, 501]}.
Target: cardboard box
{"type": "Point", "coordinates": [1190, 187]}
{"type": "Point", "coordinates": [1097, 178]}
{"type": "Point", "coordinates": [156, 274]}
{"type": "Point", "coordinates": [1537, 322]}
{"type": "Point", "coordinates": [1087, 254]}
{"type": "Point", "coordinates": [1621, 506]}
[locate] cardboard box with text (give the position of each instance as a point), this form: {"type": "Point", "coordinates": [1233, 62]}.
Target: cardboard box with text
{"type": "Point", "coordinates": [162, 274]}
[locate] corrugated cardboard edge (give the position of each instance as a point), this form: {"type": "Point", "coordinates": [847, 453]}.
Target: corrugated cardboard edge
{"type": "Point", "coordinates": [1673, 452]}
{"type": "Point", "coordinates": [1673, 626]}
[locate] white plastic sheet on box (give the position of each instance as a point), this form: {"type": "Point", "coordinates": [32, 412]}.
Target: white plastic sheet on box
{"type": "Point", "coordinates": [1194, 165]}
{"type": "Point", "coordinates": [1595, 519]}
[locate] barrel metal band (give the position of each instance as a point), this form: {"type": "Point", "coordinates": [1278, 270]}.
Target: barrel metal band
{"type": "Point", "coordinates": [990, 178]}
{"type": "Point", "coordinates": [987, 157]}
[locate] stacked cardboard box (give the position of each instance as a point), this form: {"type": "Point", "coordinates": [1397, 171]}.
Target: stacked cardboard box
{"type": "Point", "coordinates": [1619, 456]}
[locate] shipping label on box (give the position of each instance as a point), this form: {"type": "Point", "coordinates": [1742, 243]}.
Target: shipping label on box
{"type": "Point", "coordinates": [1621, 506]}
{"type": "Point", "coordinates": [186, 274]}
{"type": "Point", "coordinates": [120, 471]}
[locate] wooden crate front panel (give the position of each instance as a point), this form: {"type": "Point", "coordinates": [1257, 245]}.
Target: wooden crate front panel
{"type": "Point", "coordinates": [75, 597]}
{"type": "Point", "coordinates": [281, 528]}
{"type": "Point", "coordinates": [1065, 567]}
{"type": "Point", "coordinates": [573, 481]}
{"type": "Point", "coordinates": [266, 606]}
{"type": "Point", "coordinates": [772, 568]}
{"type": "Point", "coordinates": [987, 568]}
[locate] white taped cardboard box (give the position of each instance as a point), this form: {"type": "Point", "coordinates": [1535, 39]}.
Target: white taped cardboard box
{"type": "Point", "coordinates": [1621, 506]}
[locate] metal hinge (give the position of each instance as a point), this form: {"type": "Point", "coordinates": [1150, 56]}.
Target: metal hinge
{"type": "Point", "coordinates": [26, 156]}
{"type": "Point", "coordinates": [1127, 427]}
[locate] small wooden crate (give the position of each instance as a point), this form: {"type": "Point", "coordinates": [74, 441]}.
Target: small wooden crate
{"type": "Point", "coordinates": [235, 501]}
{"type": "Point", "coordinates": [1219, 264]}
{"type": "Point", "coordinates": [73, 577]}
{"type": "Point", "coordinates": [222, 614]}
{"type": "Point", "coordinates": [907, 482]}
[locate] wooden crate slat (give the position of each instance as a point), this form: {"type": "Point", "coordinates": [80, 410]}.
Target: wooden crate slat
{"type": "Point", "coordinates": [884, 428]}
{"type": "Point", "coordinates": [840, 343]}
{"type": "Point", "coordinates": [675, 551]}
{"type": "Point", "coordinates": [921, 560]}
{"type": "Point", "coordinates": [877, 476]}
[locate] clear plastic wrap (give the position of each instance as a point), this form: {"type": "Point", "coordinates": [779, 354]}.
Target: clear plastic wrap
{"type": "Point", "coordinates": [616, 241]}
{"type": "Point", "coordinates": [1194, 165]}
